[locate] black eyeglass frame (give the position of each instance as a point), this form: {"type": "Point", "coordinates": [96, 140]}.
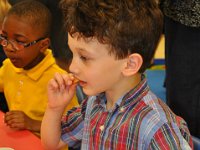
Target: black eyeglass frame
{"type": "Point", "coordinates": [2, 39]}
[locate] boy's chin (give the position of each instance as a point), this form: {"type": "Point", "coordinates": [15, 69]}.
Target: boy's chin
{"type": "Point", "coordinates": [90, 92]}
{"type": "Point", "coordinates": [17, 65]}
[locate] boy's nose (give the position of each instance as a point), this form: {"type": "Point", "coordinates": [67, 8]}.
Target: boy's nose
{"type": "Point", "coordinates": [73, 67]}
{"type": "Point", "coordinates": [9, 48]}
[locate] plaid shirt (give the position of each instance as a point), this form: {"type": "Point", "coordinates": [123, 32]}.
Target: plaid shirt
{"type": "Point", "coordinates": [139, 121]}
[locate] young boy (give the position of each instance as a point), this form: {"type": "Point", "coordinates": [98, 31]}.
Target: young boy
{"type": "Point", "coordinates": [29, 66]}
{"type": "Point", "coordinates": [113, 42]}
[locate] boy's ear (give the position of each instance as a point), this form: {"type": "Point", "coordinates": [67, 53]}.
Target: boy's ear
{"type": "Point", "coordinates": [133, 64]}
{"type": "Point", "coordinates": [45, 43]}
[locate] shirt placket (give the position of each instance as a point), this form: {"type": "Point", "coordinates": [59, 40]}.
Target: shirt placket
{"type": "Point", "coordinates": [17, 101]}
{"type": "Point", "coordinates": [104, 126]}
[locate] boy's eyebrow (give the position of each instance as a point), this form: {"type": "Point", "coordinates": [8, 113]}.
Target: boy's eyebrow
{"type": "Point", "coordinates": [20, 35]}
{"type": "Point", "coordinates": [78, 48]}
{"type": "Point", "coordinates": [16, 34]}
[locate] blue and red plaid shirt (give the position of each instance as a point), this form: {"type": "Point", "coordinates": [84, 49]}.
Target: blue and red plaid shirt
{"type": "Point", "coordinates": [139, 121]}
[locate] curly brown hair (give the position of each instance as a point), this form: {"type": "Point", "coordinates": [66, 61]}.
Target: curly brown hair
{"type": "Point", "coordinates": [128, 26]}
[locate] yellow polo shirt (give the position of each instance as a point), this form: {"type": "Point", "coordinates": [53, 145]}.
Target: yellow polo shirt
{"type": "Point", "coordinates": [26, 90]}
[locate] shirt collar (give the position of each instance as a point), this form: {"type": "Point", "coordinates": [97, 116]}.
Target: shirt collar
{"type": "Point", "coordinates": [36, 72]}
{"type": "Point", "coordinates": [102, 100]}
{"type": "Point", "coordinates": [135, 94]}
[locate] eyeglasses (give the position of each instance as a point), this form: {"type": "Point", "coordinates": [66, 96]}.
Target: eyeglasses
{"type": "Point", "coordinates": [17, 45]}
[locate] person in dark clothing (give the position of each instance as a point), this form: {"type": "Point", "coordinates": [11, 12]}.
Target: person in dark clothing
{"type": "Point", "coordinates": [182, 55]}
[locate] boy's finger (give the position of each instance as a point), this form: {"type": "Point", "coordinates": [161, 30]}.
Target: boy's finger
{"type": "Point", "coordinates": [59, 78]}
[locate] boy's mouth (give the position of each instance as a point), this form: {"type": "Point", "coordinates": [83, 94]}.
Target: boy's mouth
{"type": "Point", "coordinates": [13, 59]}
{"type": "Point", "coordinates": [82, 83]}
{"type": "Point", "coordinates": [75, 80]}
{"type": "Point", "coordinates": [78, 81]}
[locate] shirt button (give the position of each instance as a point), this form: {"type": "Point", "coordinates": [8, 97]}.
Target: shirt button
{"type": "Point", "coordinates": [122, 109]}
{"type": "Point", "coordinates": [101, 127]}
{"type": "Point", "coordinates": [21, 82]}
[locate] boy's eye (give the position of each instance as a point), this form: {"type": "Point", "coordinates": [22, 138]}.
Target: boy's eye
{"type": "Point", "coordinates": [4, 37]}
{"type": "Point", "coordinates": [17, 41]}
{"type": "Point", "coordinates": [20, 42]}
{"type": "Point", "coordinates": [83, 58]}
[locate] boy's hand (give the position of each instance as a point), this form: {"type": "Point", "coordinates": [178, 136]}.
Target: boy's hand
{"type": "Point", "coordinates": [61, 90]}
{"type": "Point", "coordinates": [18, 120]}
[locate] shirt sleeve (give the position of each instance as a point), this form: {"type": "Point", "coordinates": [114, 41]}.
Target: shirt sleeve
{"type": "Point", "coordinates": [72, 125]}
{"type": "Point", "coordinates": [168, 138]}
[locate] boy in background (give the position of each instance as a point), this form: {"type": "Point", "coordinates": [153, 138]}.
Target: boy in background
{"type": "Point", "coordinates": [58, 35]}
{"type": "Point", "coordinates": [113, 42]}
{"type": "Point", "coordinates": [29, 66]}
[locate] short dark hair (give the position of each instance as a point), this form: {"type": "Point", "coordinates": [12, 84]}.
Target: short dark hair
{"type": "Point", "coordinates": [129, 26]}
{"type": "Point", "coordinates": [34, 12]}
